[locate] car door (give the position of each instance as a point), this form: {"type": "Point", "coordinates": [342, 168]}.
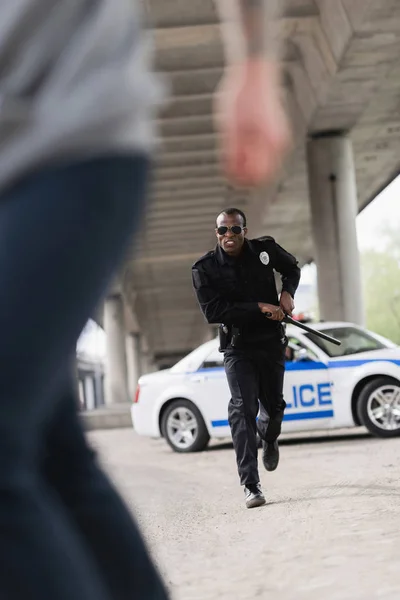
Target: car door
{"type": "Point", "coordinates": [307, 390]}
{"type": "Point", "coordinates": [210, 386]}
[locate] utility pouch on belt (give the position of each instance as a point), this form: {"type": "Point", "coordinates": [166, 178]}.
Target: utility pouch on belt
{"type": "Point", "coordinates": [223, 334]}
{"type": "Point", "coordinates": [236, 338]}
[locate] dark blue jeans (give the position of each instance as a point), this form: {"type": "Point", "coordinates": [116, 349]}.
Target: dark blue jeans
{"type": "Point", "coordinates": [64, 532]}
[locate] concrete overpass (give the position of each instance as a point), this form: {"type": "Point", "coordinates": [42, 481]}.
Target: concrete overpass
{"type": "Point", "coordinates": [341, 61]}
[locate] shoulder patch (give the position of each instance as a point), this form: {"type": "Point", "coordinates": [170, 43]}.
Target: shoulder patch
{"type": "Point", "coordinates": [196, 278]}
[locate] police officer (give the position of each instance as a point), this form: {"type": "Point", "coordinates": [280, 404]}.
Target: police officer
{"type": "Point", "coordinates": [235, 287]}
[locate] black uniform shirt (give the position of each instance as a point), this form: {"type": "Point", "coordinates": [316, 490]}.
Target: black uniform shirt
{"type": "Point", "coordinates": [229, 289]}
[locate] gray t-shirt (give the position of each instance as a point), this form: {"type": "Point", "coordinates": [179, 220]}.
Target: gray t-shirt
{"type": "Point", "coordinates": [74, 82]}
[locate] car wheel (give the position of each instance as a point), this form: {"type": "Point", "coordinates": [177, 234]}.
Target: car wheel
{"type": "Point", "coordinates": [183, 427]}
{"type": "Point", "coordinates": [379, 407]}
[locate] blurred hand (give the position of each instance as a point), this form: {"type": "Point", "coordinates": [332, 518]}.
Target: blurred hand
{"type": "Point", "coordinates": [271, 311]}
{"type": "Point", "coordinates": [255, 135]}
{"type": "Point", "coordinates": [287, 303]}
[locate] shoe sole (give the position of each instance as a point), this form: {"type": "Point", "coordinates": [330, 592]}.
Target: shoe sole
{"type": "Point", "coordinates": [260, 501]}
{"type": "Point", "coordinates": [270, 469]}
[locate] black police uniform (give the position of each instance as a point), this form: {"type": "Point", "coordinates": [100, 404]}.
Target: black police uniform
{"type": "Point", "coordinates": [228, 290]}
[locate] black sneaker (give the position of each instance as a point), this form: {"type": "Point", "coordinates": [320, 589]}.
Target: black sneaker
{"type": "Point", "coordinates": [253, 495]}
{"type": "Point", "coordinates": [270, 455]}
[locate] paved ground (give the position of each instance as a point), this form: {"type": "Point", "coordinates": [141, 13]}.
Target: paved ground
{"type": "Point", "coordinates": [331, 529]}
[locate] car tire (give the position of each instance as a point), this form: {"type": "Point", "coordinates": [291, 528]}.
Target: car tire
{"type": "Point", "coordinates": [193, 437]}
{"type": "Point", "coordinates": [375, 407]}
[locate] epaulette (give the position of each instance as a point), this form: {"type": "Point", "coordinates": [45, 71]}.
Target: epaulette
{"type": "Point", "coordinates": [209, 254]}
{"type": "Point", "coordinates": [265, 238]}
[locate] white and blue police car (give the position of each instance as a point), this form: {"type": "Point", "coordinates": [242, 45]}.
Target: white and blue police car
{"type": "Point", "coordinates": [326, 387]}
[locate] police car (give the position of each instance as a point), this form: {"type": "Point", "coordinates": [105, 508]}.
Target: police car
{"type": "Point", "coordinates": [326, 387]}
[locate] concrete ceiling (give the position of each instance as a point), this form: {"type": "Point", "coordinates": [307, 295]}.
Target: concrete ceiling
{"type": "Point", "coordinates": [341, 61]}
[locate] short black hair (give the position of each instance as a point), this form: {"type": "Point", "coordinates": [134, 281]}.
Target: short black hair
{"type": "Point", "coordinates": [234, 211]}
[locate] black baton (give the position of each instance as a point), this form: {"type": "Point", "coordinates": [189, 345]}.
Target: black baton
{"type": "Point", "coordinates": [324, 336]}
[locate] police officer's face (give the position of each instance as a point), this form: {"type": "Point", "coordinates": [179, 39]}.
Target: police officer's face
{"type": "Point", "coordinates": [231, 241]}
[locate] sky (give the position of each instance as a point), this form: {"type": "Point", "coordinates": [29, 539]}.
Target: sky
{"type": "Point", "coordinates": [382, 212]}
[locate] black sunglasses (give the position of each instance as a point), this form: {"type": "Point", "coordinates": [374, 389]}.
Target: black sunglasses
{"type": "Point", "coordinates": [236, 229]}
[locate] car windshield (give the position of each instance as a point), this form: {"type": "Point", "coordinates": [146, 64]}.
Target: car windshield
{"type": "Point", "coordinates": [353, 340]}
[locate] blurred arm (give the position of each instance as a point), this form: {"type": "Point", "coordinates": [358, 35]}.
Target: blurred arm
{"type": "Point", "coordinates": [249, 28]}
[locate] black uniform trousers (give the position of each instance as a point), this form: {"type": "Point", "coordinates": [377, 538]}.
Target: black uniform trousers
{"type": "Point", "coordinates": [255, 378]}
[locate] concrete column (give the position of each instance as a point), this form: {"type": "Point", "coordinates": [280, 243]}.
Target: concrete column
{"type": "Point", "coordinates": [133, 361]}
{"type": "Point", "coordinates": [145, 357]}
{"type": "Point", "coordinates": [98, 389]}
{"type": "Point", "coordinates": [333, 197]}
{"type": "Point", "coordinates": [89, 393]}
{"type": "Point", "coordinates": [148, 364]}
{"type": "Point", "coordinates": [151, 365]}
{"type": "Point", "coordinates": [116, 365]}
{"type": "Point", "coordinates": [81, 395]}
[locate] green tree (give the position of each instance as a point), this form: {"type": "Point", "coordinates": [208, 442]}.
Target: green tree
{"type": "Point", "coordinates": [381, 282]}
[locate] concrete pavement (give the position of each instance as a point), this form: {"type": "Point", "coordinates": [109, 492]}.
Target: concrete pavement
{"type": "Point", "coordinates": [331, 529]}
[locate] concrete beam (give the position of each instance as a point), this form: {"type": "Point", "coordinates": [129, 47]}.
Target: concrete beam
{"type": "Point", "coordinates": [358, 11]}
{"type": "Point", "coordinates": [193, 105]}
{"type": "Point", "coordinates": [173, 209]}
{"type": "Point", "coordinates": [203, 81]}
{"type": "Point", "coordinates": [187, 126]}
{"type": "Point", "coordinates": [202, 187]}
{"type": "Point", "coordinates": [183, 143]}
{"type": "Point", "coordinates": [187, 184]}
{"type": "Point", "coordinates": [188, 172]}
{"type": "Point", "coordinates": [189, 158]}
{"type": "Point", "coordinates": [180, 13]}
{"type": "Point", "coordinates": [201, 244]}
{"type": "Point", "coordinates": [171, 259]}
{"type": "Point", "coordinates": [180, 224]}
{"type": "Point", "coordinates": [197, 82]}
{"type": "Point", "coordinates": [199, 46]}
{"type": "Point", "coordinates": [178, 241]}
{"type": "Point", "coordinates": [336, 25]}
{"type": "Point", "coordinates": [165, 289]}
{"type": "Point", "coordinates": [161, 252]}
{"type": "Point", "coordinates": [206, 190]}
{"type": "Point", "coordinates": [192, 47]}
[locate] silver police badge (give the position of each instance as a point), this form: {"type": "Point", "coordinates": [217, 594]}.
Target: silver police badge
{"type": "Point", "coordinates": [264, 257]}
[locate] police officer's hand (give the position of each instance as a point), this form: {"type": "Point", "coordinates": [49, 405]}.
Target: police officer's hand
{"type": "Point", "coordinates": [275, 313]}
{"type": "Point", "coordinates": [287, 303]}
